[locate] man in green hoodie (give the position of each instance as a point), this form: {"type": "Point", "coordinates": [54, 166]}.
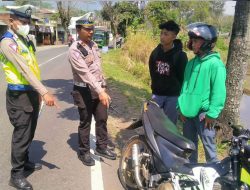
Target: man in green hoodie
{"type": "Point", "coordinates": [203, 92]}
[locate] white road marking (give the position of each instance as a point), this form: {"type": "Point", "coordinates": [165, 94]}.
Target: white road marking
{"type": "Point", "coordinates": [96, 170]}
{"type": "Point", "coordinates": [52, 59]}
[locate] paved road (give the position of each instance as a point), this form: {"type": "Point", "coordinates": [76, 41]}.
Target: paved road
{"type": "Point", "coordinates": [55, 142]}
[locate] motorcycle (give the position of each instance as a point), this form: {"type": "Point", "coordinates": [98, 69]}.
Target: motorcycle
{"type": "Point", "coordinates": [156, 158]}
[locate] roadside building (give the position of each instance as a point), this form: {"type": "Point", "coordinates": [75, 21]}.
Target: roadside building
{"type": "Point", "coordinates": [43, 30]}
{"type": "Point", "coordinates": [3, 24]}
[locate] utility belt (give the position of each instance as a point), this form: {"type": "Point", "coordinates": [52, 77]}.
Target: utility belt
{"type": "Point", "coordinates": [20, 87]}
{"type": "Point", "coordinates": [84, 84]}
{"type": "Point", "coordinates": [81, 84]}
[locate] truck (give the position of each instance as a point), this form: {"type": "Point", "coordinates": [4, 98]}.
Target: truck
{"type": "Point", "coordinates": [101, 36]}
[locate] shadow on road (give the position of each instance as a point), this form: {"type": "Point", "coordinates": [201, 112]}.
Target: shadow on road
{"type": "Point", "coordinates": [63, 89]}
{"type": "Point", "coordinates": [37, 153]}
{"type": "Point", "coordinates": [69, 114]}
{"type": "Point", "coordinates": [126, 104]}
{"type": "Point", "coordinates": [73, 141]}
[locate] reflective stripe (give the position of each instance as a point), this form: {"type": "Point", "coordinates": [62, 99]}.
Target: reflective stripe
{"type": "Point", "coordinates": [20, 87]}
{"type": "Point", "coordinates": [81, 84]}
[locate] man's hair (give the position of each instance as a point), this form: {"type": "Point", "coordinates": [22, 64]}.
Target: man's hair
{"type": "Point", "coordinates": [170, 26]}
{"type": "Point", "coordinates": [79, 27]}
{"type": "Point", "coordinates": [15, 17]}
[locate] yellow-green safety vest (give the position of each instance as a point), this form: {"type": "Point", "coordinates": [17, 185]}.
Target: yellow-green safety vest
{"type": "Point", "coordinates": [13, 76]}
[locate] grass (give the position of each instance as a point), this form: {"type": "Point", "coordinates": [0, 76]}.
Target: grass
{"type": "Point", "coordinates": [222, 152]}
{"type": "Point", "coordinates": [134, 89]}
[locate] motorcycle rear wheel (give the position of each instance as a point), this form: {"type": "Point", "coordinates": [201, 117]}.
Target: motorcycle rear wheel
{"type": "Point", "coordinates": [125, 171]}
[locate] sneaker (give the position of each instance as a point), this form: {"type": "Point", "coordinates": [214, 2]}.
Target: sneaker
{"type": "Point", "coordinates": [86, 159]}
{"type": "Point", "coordinates": [106, 153]}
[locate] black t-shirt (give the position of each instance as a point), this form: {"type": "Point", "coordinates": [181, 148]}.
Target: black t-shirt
{"type": "Point", "coordinates": [167, 70]}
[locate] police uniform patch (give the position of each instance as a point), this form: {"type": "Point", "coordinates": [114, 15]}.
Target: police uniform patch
{"type": "Point", "coordinates": [13, 46]}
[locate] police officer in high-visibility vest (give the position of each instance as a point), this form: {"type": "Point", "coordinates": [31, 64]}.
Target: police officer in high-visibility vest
{"type": "Point", "coordinates": [24, 92]}
{"type": "Point", "coordinates": [89, 91]}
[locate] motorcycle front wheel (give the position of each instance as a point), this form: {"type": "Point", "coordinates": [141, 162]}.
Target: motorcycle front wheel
{"type": "Point", "coordinates": [126, 170]}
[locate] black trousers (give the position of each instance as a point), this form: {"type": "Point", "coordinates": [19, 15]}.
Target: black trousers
{"type": "Point", "coordinates": [22, 108]}
{"type": "Point", "coordinates": [86, 108]}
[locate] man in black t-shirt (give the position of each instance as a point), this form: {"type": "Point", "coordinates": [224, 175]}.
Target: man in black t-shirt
{"type": "Point", "coordinates": [166, 66]}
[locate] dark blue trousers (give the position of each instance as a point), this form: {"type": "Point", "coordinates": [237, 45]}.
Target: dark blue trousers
{"type": "Point", "coordinates": [193, 128]}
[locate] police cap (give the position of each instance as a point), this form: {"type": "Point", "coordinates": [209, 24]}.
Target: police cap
{"type": "Point", "coordinates": [87, 20]}
{"type": "Point", "coordinates": [23, 12]}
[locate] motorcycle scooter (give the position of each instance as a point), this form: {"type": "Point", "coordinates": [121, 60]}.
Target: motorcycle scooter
{"type": "Point", "coordinates": [156, 158]}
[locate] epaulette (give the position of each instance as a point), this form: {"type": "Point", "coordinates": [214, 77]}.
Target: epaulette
{"type": "Point", "coordinates": [82, 49]}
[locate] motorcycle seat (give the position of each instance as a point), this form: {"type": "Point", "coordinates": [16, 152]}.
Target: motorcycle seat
{"type": "Point", "coordinates": [165, 128]}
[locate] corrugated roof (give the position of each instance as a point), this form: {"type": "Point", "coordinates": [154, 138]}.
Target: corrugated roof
{"type": "Point", "coordinates": [36, 18]}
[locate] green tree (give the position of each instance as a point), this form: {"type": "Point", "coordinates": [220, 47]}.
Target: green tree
{"type": "Point", "coordinates": [110, 14]}
{"type": "Point", "coordinates": [216, 10]}
{"type": "Point", "coordinates": [37, 3]}
{"type": "Point", "coordinates": [120, 15]}
{"type": "Point", "coordinates": [158, 12]}
{"type": "Point", "coordinates": [129, 14]}
{"type": "Point", "coordinates": [182, 12]}
{"type": "Point", "coordinates": [23, 2]}
{"type": "Point", "coordinates": [64, 11]}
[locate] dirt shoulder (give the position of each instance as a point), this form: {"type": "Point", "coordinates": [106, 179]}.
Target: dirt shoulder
{"type": "Point", "coordinates": [120, 117]}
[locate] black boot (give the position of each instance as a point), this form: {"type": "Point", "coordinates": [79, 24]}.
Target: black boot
{"type": "Point", "coordinates": [111, 145]}
{"type": "Point", "coordinates": [20, 183]}
{"type": "Point", "coordinates": [32, 166]}
{"type": "Point", "coordinates": [86, 159]}
{"type": "Point", "coordinates": [105, 153]}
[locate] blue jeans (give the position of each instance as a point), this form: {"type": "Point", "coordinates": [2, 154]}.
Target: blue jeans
{"type": "Point", "coordinates": [194, 127]}
{"type": "Point", "coordinates": [168, 104]}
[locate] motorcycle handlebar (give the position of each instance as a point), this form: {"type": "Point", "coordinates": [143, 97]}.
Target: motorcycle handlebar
{"type": "Point", "coordinates": [238, 130]}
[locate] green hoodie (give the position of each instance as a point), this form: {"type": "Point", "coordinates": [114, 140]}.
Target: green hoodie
{"type": "Point", "coordinates": [203, 87]}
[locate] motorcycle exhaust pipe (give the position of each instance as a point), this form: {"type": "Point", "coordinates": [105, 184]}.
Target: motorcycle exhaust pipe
{"type": "Point", "coordinates": [136, 165]}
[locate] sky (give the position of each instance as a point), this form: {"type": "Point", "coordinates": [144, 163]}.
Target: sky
{"type": "Point", "coordinates": [229, 7]}
{"type": "Point", "coordinates": [90, 5]}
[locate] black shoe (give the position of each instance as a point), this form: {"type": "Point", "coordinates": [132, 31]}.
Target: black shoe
{"type": "Point", "coordinates": [86, 159]}
{"type": "Point", "coordinates": [111, 145]}
{"type": "Point", "coordinates": [105, 153]}
{"type": "Point", "coordinates": [20, 183]}
{"type": "Point", "coordinates": [32, 166]}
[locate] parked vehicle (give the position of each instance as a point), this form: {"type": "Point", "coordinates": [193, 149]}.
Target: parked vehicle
{"type": "Point", "coordinates": [157, 158]}
{"type": "Point", "coordinates": [101, 37]}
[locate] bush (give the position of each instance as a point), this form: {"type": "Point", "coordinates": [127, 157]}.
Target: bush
{"type": "Point", "coordinates": [138, 46]}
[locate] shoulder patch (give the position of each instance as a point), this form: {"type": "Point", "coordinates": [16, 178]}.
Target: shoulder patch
{"type": "Point", "coordinates": [13, 46]}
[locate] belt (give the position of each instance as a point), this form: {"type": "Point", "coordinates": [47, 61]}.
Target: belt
{"type": "Point", "coordinates": [20, 87]}
{"type": "Point", "coordinates": [81, 84]}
